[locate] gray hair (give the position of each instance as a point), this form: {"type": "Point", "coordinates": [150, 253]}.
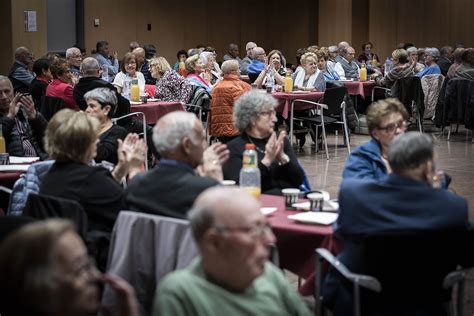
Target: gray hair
{"type": "Point", "coordinates": [433, 52]}
{"type": "Point", "coordinates": [5, 78]}
{"type": "Point", "coordinates": [332, 49]}
{"type": "Point", "coordinates": [248, 107]}
{"type": "Point", "coordinates": [104, 96]}
{"type": "Point", "coordinates": [229, 66]}
{"type": "Point", "coordinates": [410, 150]}
{"type": "Point", "coordinates": [205, 56]}
{"type": "Point", "coordinates": [171, 129]}
{"type": "Point", "coordinates": [193, 51]}
{"type": "Point", "coordinates": [89, 67]}
{"type": "Point", "coordinates": [71, 51]}
{"type": "Point", "coordinates": [412, 50]}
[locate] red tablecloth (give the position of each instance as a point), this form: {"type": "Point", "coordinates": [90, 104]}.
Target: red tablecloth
{"type": "Point", "coordinates": [297, 242]}
{"type": "Point", "coordinates": [361, 88]}
{"type": "Point", "coordinates": [155, 110]}
{"type": "Point", "coordinates": [287, 98]}
{"type": "Point", "coordinates": [150, 89]}
{"type": "Point", "coordinates": [7, 179]}
{"type": "Point", "coordinates": [245, 78]}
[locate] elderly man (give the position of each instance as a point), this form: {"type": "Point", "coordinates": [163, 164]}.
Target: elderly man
{"type": "Point", "coordinates": [349, 65]}
{"type": "Point", "coordinates": [150, 52]}
{"type": "Point", "coordinates": [103, 57]}
{"type": "Point", "coordinates": [143, 64]}
{"type": "Point", "coordinates": [22, 126]}
{"type": "Point", "coordinates": [340, 47]}
{"type": "Point", "coordinates": [186, 169]}
{"type": "Point", "coordinates": [224, 94]}
{"type": "Point", "coordinates": [74, 59]}
{"type": "Point", "coordinates": [407, 199]}
{"type": "Point", "coordinates": [244, 64]}
{"type": "Point", "coordinates": [233, 275]}
{"type": "Point", "coordinates": [20, 74]}
{"type": "Point", "coordinates": [133, 45]}
{"type": "Point", "coordinates": [233, 53]}
{"type": "Point", "coordinates": [445, 61]}
{"type": "Point", "coordinates": [257, 64]}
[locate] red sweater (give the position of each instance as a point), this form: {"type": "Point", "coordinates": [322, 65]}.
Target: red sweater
{"type": "Point", "coordinates": [62, 90]}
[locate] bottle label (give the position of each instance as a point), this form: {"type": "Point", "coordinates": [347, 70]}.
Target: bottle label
{"type": "Point", "coordinates": [248, 161]}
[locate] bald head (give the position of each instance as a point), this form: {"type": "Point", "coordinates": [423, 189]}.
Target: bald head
{"type": "Point", "coordinates": [90, 67]}
{"type": "Point", "coordinates": [234, 50]}
{"type": "Point", "coordinates": [221, 206]}
{"type": "Point", "coordinates": [23, 54]}
{"type": "Point", "coordinates": [249, 48]}
{"type": "Point", "coordinates": [258, 53]}
{"type": "Point", "coordinates": [342, 46]}
{"type": "Point", "coordinates": [139, 53]}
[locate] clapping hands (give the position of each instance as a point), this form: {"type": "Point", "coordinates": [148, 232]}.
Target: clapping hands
{"type": "Point", "coordinates": [274, 149]}
{"type": "Point", "coordinates": [131, 154]}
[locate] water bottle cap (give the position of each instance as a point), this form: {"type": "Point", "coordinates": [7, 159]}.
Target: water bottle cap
{"type": "Point", "coordinates": [249, 146]}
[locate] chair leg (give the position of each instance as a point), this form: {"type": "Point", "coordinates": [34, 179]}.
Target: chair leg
{"type": "Point", "coordinates": [317, 138]}
{"type": "Point", "coordinates": [449, 132]}
{"type": "Point", "coordinates": [346, 134]}
{"type": "Point", "coordinates": [325, 141]}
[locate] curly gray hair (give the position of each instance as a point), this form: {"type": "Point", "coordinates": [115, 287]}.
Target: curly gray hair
{"type": "Point", "coordinates": [171, 129]}
{"type": "Point", "coordinates": [248, 107]}
{"type": "Point", "coordinates": [433, 52]}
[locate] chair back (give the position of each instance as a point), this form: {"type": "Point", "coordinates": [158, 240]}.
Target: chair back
{"type": "Point", "coordinates": [459, 102]}
{"type": "Point", "coordinates": [411, 267]}
{"type": "Point", "coordinates": [50, 105]}
{"type": "Point", "coordinates": [409, 91]}
{"type": "Point", "coordinates": [333, 98]}
{"type": "Point", "coordinates": [42, 206]}
{"type": "Point", "coordinates": [144, 249]}
{"type": "Point", "coordinates": [431, 85]}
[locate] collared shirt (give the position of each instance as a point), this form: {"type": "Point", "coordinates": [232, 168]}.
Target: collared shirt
{"type": "Point", "coordinates": [177, 163]}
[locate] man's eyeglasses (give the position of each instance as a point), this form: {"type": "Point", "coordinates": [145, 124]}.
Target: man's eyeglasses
{"type": "Point", "coordinates": [256, 231]}
{"type": "Point", "coordinates": [392, 127]}
{"type": "Point", "coordinates": [268, 113]}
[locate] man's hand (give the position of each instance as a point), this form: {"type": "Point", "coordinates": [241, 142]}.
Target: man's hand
{"type": "Point", "coordinates": [28, 105]}
{"type": "Point", "coordinates": [14, 106]}
{"type": "Point", "coordinates": [213, 158]}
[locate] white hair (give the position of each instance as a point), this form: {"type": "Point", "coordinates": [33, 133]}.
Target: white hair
{"type": "Point", "coordinates": [205, 57]}
{"type": "Point", "coordinates": [171, 129]}
{"type": "Point", "coordinates": [71, 51]}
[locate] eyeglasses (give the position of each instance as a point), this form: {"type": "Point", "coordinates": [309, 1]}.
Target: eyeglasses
{"type": "Point", "coordinates": [256, 231]}
{"type": "Point", "coordinates": [392, 127]}
{"type": "Point", "coordinates": [268, 113]}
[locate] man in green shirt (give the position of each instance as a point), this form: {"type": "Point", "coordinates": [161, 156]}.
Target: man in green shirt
{"type": "Point", "coordinates": [233, 275]}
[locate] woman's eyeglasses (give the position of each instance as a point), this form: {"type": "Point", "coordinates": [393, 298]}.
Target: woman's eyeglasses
{"type": "Point", "coordinates": [392, 127]}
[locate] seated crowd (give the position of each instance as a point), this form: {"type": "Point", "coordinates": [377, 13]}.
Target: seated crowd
{"type": "Point", "coordinates": [97, 159]}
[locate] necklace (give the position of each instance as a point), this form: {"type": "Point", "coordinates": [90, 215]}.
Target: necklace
{"type": "Point", "coordinates": [256, 147]}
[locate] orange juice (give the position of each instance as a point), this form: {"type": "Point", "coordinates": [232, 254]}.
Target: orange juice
{"type": "Point", "coordinates": [288, 82]}
{"type": "Point", "coordinates": [363, 73]}
{"type": "Point", "coordinates": [253, 191]}
{"type": "Point", "coordinates": [135, 91]}
{"type": "Point", "coordinates": [3, 148]}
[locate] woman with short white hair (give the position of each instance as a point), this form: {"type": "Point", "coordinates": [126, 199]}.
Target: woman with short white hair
{"type": "Point", "coordinates": [431, 57]}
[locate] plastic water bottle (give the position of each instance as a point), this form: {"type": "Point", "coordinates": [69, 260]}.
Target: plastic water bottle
{"type": "Point", "coordinates": [105, 73]}
{"type": "Point", "coordinates": [270, 80]}
{"type": "Point", "coordinates": [127, 84]}
{"type": "Point", "coordinates": [250, 174]}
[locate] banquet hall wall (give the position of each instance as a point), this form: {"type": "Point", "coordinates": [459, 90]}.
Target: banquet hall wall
{"type": "Point", "coordinates": [271, 23]}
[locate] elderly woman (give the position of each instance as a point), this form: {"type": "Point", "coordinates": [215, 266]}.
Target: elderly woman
{"type": "Point", "coordinates": [101, 104]}
{"type": "Point", "coordinates": [385, 120]}
{"type": "Point", "coordinates": [129, 71]}
{"type": "Point", "coordinates": [45, 270]}
{"type": "Point", "coordinates": [61, 86]}
{"type": "Point", "coordinates": [310, 78]}
{"type": "Point", "coordinates": [170, 87]}
{"type": "Point", "coordinates": [413, 58]}
{"type": "Point", "coordinates": [195, 67]}
{"type": "Point", "coordinates": [367, 55]}
{"type": "Point", "coordinates": [402, 68]}
{"type": "Point", "coordinates": [274, 72]}
{"type": "Point", "coordinates": [255, 118]}
{"type": "Point", "coordinates": [329, 74]}
{"type": "Point", "coordinates": [431, 57]}
{"type": "Point", "coordinates": [38, 86]}
{"type": "Point", "coordinates": [71, 139]}
{"type": "Point", "coordinates": [457, 57]}
{"type": "Point", "coordinates": [211, 74]}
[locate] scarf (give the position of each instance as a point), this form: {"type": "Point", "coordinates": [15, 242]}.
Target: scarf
{"type": "Point", "coordinates": [300, 78]}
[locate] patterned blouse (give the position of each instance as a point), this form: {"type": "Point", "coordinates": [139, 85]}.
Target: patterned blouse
{"type": "Point", "coordinates": [171, 87]}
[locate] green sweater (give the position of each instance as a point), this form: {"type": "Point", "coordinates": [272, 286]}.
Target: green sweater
{"type": "Point", "coordinates": [188, 292]}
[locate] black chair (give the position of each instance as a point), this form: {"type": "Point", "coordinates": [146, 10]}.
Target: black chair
{"type": "Point", "coordinates": [331, 110]}
{"type": "Point", "coordinates": [410, 92]}
{"type": "Point", "coordinates": [404, 273]}
{"type": "Point", "coordinates": [42, 206]}
{"type": "Point", "coordinates": [50, 105]}
{"type": "Point", "coordinates": [459, 103]}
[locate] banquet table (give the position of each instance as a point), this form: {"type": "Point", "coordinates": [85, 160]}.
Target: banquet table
{"type": "Point", "coordinates": [297, 242]}
{"type": "Point", "coordinates": [155, 110]}
{"type": "Point", "coordinates": [7, 179]}
{"type": "Point", "coordinates": [287, 102]}
{"type": "Point", "coordinates": [362, 88]}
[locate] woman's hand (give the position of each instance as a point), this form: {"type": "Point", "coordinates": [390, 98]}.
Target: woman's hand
{"type": "Point", "coordinates": [273, 148]}
{"type": "Point", "coordinates": [126, 298]}
{"type": "Point", "coordinates": [131, 154]}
